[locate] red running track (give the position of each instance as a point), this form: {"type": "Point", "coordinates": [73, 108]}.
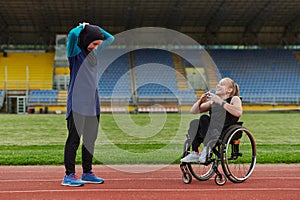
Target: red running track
{"type": "Point", "coordinates": [152, 182]}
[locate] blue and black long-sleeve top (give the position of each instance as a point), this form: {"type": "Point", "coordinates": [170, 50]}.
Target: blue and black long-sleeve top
{"type": "Point", "coordinates": [83, 95]}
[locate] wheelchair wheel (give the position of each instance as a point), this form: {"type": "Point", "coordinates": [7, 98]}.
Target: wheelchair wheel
{"type": "Point", "coordinates": [238, 155]}
{"type": "Point", "coordinates": [201, 172]}
{"type": "Point", "coordinates": [186, 177]}
{"type": "Point", "coordinates": [220, 179]}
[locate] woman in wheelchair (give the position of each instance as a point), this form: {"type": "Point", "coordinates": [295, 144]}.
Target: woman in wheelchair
{"type": "Point", "coordinates": [225, 109]}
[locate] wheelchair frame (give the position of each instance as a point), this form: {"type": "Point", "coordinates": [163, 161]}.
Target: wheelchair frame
{"type": "Point", "coordinates": [235, 151]}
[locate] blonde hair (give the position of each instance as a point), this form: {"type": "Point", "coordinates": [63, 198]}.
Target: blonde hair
{"type": "Point", "coordinates": [234, 86]}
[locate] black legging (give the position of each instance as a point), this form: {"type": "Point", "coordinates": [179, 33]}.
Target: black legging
{"type": "Point", "coordinates": [78, 126]}
{"type": "Point", "coordinates": [197, 131]}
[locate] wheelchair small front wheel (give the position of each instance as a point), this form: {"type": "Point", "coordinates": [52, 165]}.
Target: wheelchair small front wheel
{"type": "Point", "coordinates": [220, 179]}
{"type": "Point", "coordinates": [186, 177]}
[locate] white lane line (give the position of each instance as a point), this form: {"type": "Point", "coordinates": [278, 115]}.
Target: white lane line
{"type": "Point", "coordinates": [152, 190]}
{"type": "Point", "coordinates": [141, 179]}
{"type": "Point", "coordinates": [106, 179]}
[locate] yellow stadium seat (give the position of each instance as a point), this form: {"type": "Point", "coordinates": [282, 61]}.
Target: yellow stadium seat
{"type": "Point", "coordinates": [27, 70]}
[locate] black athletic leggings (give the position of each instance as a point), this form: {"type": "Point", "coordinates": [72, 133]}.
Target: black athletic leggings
{"type": "Point", "coordinates": [197, 131]}
{"type": "Point", "coordinates": [78, 126]}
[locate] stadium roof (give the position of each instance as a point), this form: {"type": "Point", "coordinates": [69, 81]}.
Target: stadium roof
{"type": "Point", "coordinates": [210, 22]}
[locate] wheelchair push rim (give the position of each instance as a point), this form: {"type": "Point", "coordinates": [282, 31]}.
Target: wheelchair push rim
{"type": "Point", "coordinates": [239, 155]}
{"type": "Point", "coordinates": [201, 172]}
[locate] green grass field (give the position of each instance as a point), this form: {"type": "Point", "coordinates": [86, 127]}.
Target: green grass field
{"type": "Point", "coordinates": [138, 139]}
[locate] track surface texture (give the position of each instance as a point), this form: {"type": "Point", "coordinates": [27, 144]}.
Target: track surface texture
{"type": "Point", "coordinates": [127, 182]}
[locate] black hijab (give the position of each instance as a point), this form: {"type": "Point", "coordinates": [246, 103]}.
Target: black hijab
{"type": "Point", "coordinates": [89, 34]}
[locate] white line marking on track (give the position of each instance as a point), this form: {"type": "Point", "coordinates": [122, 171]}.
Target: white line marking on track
{"type": "Point", "coordinates": [152, 190]}
{"type": "Point", "coordinates": [142, 179]}
{"type": "Point", "coordinates": [106, 179]}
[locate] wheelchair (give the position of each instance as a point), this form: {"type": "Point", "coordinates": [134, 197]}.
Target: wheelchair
{"type": "Point", "coordinates": [235, 151]}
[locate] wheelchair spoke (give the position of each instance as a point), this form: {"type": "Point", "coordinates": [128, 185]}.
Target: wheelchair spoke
{"type": "Point", "coordinates": [239, 156]}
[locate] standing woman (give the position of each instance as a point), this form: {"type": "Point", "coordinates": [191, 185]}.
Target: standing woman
{"type": "Point", "coordinates": [85, 43]}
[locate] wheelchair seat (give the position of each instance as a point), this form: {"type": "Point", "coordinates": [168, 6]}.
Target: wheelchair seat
{"type": "Point", "coordinates": [231, 129]}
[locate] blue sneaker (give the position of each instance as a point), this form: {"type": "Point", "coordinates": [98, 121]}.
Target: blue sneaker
{"type": "Point", "coordinates": [71, 180]}
{"type": "Point", "coordinates": [91, 178]}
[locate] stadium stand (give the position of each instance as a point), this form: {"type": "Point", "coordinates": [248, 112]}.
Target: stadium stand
{"type": "Point", "coordinates": [62, 97]}
{"type": "Point", "coordinates": [62, 71]}
{"type": "Point", "coordinates": [114, 82]}
{"type": "Point", "coordinates": [42, 96]}
{"type": "Point", "coordinates": [180, 73]}
{"type": "Point", "coordinates": [61, 78]}
{"type": "Point", "coordinates": [264, 76]}
{"type": "Point", "coordinates": [27, 70]}
{"type": "Point", "coordinates": [1, 98]}
{"type": "Point", "coordinates": [152, 80]}
{"type": "Point", "coordinates": [268, 77]}
{"type": "Point", "coordinates": [156, 77]}
{"type": "Point", "coordinates": [61, 66]}
{"type": "Point", "coordinates": [143, 76]}
{"type": "Point", "coordinates": [146, 76]}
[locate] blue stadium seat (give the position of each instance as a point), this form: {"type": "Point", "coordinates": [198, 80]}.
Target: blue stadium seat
{"type": "Point", "coordinates": [156, 76]}
{"type": "Point", "coordinates": [115, 80]}
{"type": "Point", "coordinates": [263, 75]}
{"type": "Point", "coordinates": [43, 96]}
